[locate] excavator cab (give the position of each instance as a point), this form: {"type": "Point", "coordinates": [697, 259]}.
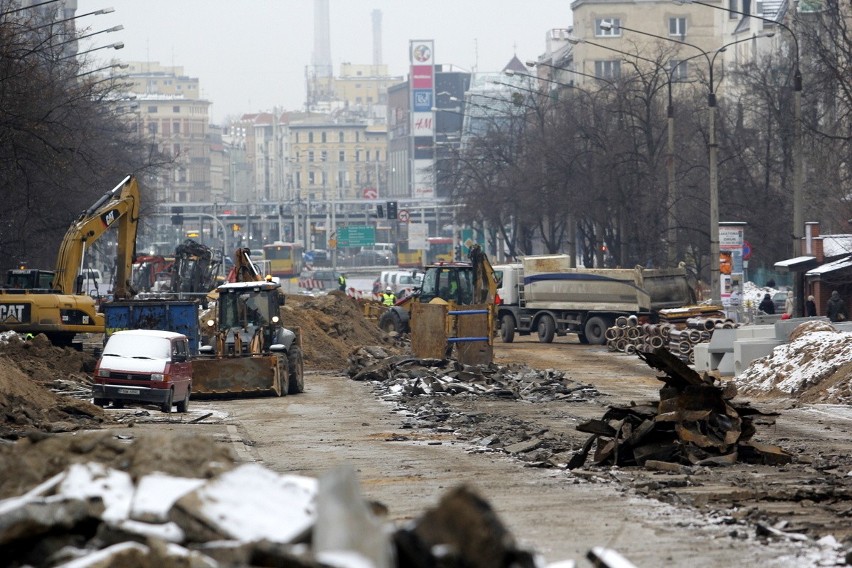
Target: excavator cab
{"type": "Point", "coordinates": [451, 283]}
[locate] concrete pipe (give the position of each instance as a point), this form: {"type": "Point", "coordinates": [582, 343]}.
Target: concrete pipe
{"type": "Point", "coordinates": [621, 321]}
{"type": "Point", "coordinates": [612, 333]}
{"type": "Point", "coordinates": [694, 336]}
{"type": "Point", "coordinates": [633, 332]}
{"type": "Point", "coordinates": [621, 344]}
{"type": "Point", "coordinates": [684, 347]}
{"type": "Point", "coordinates": [656, 342]}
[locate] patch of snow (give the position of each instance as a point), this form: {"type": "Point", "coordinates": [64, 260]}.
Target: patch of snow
{"type": "Point", "coordinates": [797, 365]}
{"type": "Point", "coordinates": [252, 503]}
{"type": "Point", "coordinates": [115, 488]}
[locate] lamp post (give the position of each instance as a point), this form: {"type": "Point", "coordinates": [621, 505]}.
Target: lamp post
{"type": "Point", "coordinates": [713, 148]}
{"type": "Point", "coordinates": [798, 167]}
{"type": "Point", "coordinates": [116, 45]}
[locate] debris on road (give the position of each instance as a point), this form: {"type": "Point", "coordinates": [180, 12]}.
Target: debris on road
{"type": "Point", "coordinates": [628, 336]}
{"type": "Point", "coordinates": [694, 423]}
{"type": "Point", "coordinates": [110, 508]}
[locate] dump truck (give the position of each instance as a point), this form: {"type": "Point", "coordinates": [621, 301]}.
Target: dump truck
{"type": "Point", "coordinates": [251, 352]}
{"type": "Point", "coordinates": [544, 294]}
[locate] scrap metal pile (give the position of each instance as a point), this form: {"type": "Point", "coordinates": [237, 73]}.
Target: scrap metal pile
{"type": "Point", "coordinates": [628, 336]}
{"type": "Point", "coordinates": [694, 423]}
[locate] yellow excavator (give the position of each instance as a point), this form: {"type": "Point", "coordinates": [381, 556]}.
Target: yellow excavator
{"type": "Point", "coordinates": [63, 309]}
{"type": "Point", "coordinates": [454, 308]}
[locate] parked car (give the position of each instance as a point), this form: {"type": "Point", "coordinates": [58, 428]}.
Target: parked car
{"type": "Point", "coordinates": [144, 366]}
{"type": "Point", "coordinates": [324, 280]}
{"type": "Point", "coordinates": [373, 258]}
{"type": "Point", "coordinates": [318, 257]}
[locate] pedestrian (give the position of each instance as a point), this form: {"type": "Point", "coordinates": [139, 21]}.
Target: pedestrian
{"type": "Point", "coordinates": [388, 297]}
{"type": "Point", "coordinates": [341, 282]}
{"type": "Point", "coordinates": [810, 307]}
{"type": "Point", "coordinates": [836, 307]}
{"type": "Point", "coordinates": [767, 306]}
{"type": "Point", "coordinates": [789, 304]}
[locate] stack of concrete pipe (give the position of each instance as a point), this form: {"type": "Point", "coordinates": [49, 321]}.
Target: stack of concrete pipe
{"type": "Point", "coordinates": [629, 336]}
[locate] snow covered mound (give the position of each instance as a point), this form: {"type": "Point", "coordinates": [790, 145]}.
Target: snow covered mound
{"type": "Point", "coordinates": [812, 357]}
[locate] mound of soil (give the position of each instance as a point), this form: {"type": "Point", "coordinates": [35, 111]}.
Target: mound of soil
{"type": "Point", "coordinates": [35, 376]}
{"type": "Point", "coordinates": [332, 326]}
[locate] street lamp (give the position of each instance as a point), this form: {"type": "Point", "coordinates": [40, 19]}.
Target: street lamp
{"type": "Point", "coordinates": [116, 45]}
{"type": "Point", "coordinates": [715, 274]}
{"type": "Point", "coordinates": [798, 168]}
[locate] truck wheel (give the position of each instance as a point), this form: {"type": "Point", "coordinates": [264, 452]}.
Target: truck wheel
{"type": "Point", "coordinates": [596, 331]}
{"type": "Point", "coordinates": [296, 369]}
{"type": "Point", "coordinates": [167, 404]}
{"type": "Point", "coordinates": [183, 405]}
{"type": "Point", "coordinates": [583, 339]}
{"type": "Point", "coordinates": [507, 328]}
{"type": "Point", "coordinates": [546, 329]}
{"type": "Point", "coordinates": [389, 322]}
{"type": "Point", "coordinates": [99, 402]}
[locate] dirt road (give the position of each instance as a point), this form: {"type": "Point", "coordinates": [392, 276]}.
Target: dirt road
{"type": "Point", "coordinates": [718, 516]}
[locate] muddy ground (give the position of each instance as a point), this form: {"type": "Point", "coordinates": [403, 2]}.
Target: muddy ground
{"type": "Point", "coordinates": [762, 509]}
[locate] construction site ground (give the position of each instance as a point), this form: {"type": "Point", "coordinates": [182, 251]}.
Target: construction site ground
{"type": "Point", "coordinates": [740, 515]}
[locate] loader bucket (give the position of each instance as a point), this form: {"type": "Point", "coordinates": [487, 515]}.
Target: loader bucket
{"type": "Point", "coordinates": [233, 377]}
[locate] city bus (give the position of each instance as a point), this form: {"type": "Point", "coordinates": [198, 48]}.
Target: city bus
{"type": "Point", "coordinates": [440, 249]}
{"type": "Point", "coordinates": [285, 259]}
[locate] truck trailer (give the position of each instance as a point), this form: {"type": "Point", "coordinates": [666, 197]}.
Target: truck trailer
{"type": "Point", "coordinates": [544, 294]}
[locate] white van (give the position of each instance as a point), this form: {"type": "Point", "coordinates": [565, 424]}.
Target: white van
{"type": "Point", "coordinates": [402, 282]}
{"type": "Point", "coordinates": [93, 283]}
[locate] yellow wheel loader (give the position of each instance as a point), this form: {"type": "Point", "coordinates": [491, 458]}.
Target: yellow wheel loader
{"type": "Point", "coordinates": [251, 352]}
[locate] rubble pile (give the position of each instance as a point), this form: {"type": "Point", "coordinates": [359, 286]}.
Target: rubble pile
{"type": "Point", "coordinates": [694, 423]}
{"type": "Point", "coordinates": [409, 376]}
{"type": "Point", "coordinates": [432, 394]}
{"type": "Point", "coordinates": [44, 387]}
{"type": "Point", "coordinates": [115, 512]}
{"type": "Point", "coordinates": [814, 367]}
{"type": "Point", "coordinates": [331, 324]}
{"type": "Point", "coordinates": [628, 336]}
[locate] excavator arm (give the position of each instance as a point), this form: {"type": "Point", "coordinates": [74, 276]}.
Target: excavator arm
{"type": "Point", "coordinates": [119, 205]}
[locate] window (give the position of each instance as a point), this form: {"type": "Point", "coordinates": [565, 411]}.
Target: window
{"type": "Point", "coordinates": [176, 127]}
{"type": "Point", "coordinates": [357, 178]}
{"type": "Point", "coordinates": [677, 27]}
{"type": "Point", "coordinates": [310, 155]}
{"type": "Point", "coordinates": [357, 155]}
{"type": "Point", "coordinates": [733, 8]}
{"type": "Point", "coordinates": [312, 178]}
{"type": "Point", "coordinates": [614, 31]}
{"type": "Point", "coordinates": [297, 138]}
{"type": "Point", "coordinates": [324, 179]}
{"type": "Point", "coordinates": [746, 7]}
{"type": "Point", "coordinates": [378, 155]}
{"type": "Point", "coordinates": [678, 69]}
{"type": "Point", "coordinates": [152, 110]}
{"type": "Point", "coordinates": [608, 69]}
{"type": "Point", "coordinates": [176, 109]}
{"type": "Point", "coordinates": [341, 157]}
{"type": "Point", "coordinates": [322, 136]}
{"type": "Point", "coordinates": [310, 137]}
{"type": "Point", "coordinates": [324, 156]}
{"type": "Point", "coordinates": [340, 178]}
{"type": "Point", "coordinates": [298, 156]}
{"type": "Point", "coordinates": [297, 180]}
{"type": "Point", "coordinates": [367, 159]}
{"type": "Point", "coordinates": [340, 136]}
{"type": "Point", "coordinates": [357, 136]}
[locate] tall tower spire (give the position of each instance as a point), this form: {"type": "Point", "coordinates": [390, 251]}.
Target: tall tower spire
{"type": "Point", "coordinates": [322, 39]}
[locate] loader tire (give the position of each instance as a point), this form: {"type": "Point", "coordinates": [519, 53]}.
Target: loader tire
{"type": "Point", "coordinates": [296, 370]}
{"type": "Point", "coordinates": [546, 329]}
{"type": "Point", "coordinates": [389, 322]}
{"type": "Point", "coordinates": [596, 331]}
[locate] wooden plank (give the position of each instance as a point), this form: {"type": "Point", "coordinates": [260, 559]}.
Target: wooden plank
{"type": "Point", "coordinates": [474, 325]}
{"type": "Point", "coordinates": [428, 331]}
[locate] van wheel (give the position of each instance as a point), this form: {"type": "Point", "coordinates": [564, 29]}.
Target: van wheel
{"type": "Point", "coordinates": [596, 331]}
{"type": "Point", "coordinates": [167, 404]}
{"type": "Point", "coordinates": [183, 405]}
{"type": "Point", "coordinates": [507, 328]}
{"type": "Point", "coordinates": [546, 329]}
{"type": "Point", "coordinates": [296, 370]}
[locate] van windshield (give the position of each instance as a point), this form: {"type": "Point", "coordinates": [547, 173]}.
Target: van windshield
{"type": "Point", "coordinates": [138, 346]}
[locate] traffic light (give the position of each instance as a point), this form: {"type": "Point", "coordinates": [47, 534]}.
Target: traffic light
{"type": "Point", "coordinates": [380, 211]}
{"type": "Point", "coordinates": [177, 215]}
{"type": "Point", "coordinates": [235, 227]}
{"type": "Point", "coordinates": [391, 209]}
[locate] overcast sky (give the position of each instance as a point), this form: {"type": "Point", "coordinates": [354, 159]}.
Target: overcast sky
{"type": "Point", "coordinates": [251, 55]}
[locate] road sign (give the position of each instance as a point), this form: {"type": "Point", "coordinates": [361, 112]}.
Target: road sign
{"type": "Point", "coordinates": [746, 250]}
{"type": "Point", "coordinates": [403, 215]}
{"type": "Point", "coordinates": [356, 236]}
{"type": "Point", "coordinates": [371, 193]}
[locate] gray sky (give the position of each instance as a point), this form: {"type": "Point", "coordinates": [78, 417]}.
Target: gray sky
{"type": "Point", "coordinates": [251, 55]}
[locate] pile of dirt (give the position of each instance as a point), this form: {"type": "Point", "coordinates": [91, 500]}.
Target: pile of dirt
{"type": "Point", "coordinates": [332, 326]}
{"type": "Point", "coordinates": [36, 378]}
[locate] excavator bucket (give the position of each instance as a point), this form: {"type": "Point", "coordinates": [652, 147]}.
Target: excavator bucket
{"type": "Point", "coordinates": [260, 375]}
